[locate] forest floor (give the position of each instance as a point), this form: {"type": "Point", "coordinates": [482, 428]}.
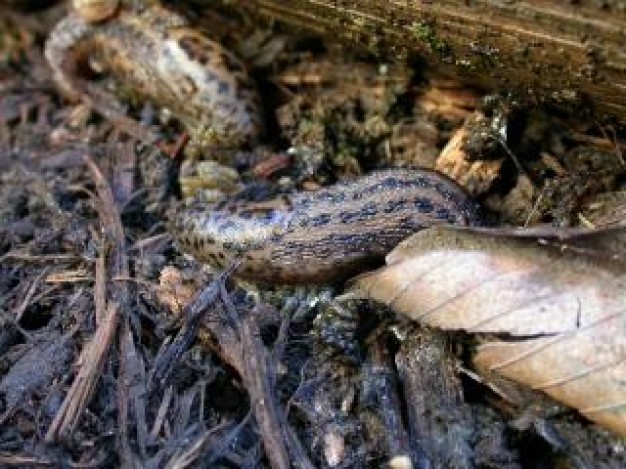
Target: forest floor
{"type": "Point", "coordinates": [97, 368]}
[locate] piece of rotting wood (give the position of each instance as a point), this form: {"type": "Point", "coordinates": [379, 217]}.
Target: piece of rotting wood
{"type": "Point", "coordinates": [572, 53]}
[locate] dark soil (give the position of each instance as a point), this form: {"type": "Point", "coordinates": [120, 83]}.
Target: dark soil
{"type": "Point", "coordinates": [99, 369]}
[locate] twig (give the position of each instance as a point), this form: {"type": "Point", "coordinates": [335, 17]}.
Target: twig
{"type": "Point", "coordinates": [45, 258]}
{"type": "Point", "coordinates": [161, 413]}
{"type": "Point", "coordinates": [438, 419]}
{"type": "Point", "coordinates": [380, 370]}
{"type": "Point", "coordinates": [188, 457]}
{"type": "Point", "coordinates": [99, 288]}
{"type": "Point", "coordinates": [194, 314]}
{"type": "Point", "coordinates": [131, 390]}
{"type": "Point", "coordinates": [251, 359]}
{"type": "Point", "coordinates": [92, 358]}
{"type": "Point", "coordinates": [111, 223]}
{"type": "Point", "coordinates": [19, 311]}
{"type": "Point", "coordinates": [91, 361]}
{"type": "Point", "coordinates": [17, 460]}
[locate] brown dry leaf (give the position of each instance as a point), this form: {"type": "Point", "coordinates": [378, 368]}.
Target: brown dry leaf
{"type": "Point", "coordinates": [562, 308]}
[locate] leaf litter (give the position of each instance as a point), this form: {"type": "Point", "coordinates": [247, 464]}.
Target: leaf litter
{"type": "Point", "coordinates": [558, 310]}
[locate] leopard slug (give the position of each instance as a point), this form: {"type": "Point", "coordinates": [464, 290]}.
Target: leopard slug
{"type": "Point", "coordinates": [154, 54]}
{"type": "Point", "coordinates": [326, 235]}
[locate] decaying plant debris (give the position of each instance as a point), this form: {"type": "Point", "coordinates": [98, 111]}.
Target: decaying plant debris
{"type": "Point", "coordinates": [562, 310]}
{"type": "Point", "coordinates": [117, 350]}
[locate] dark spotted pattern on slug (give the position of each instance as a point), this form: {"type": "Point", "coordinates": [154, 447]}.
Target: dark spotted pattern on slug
{"type": "Point", "coordinates": [156, 55]}
{"type": "Point", "coordinates": [327, 235]}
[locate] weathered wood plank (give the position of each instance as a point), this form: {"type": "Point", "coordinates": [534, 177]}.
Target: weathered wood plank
{"type": "Point", "coordinates": [567, 52]}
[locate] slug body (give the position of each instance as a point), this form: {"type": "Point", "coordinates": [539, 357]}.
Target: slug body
{"type": "Point", "coordinates": [327, 235]}
{"type": "Point", "coordinates": [153, 53]}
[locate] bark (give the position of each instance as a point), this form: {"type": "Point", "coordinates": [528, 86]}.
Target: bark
{"type": "Point", "coordinates": [565, 52]}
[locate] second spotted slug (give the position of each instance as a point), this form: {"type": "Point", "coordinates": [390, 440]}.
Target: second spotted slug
{"type": "Point", "coordinates": [326, 235]}
{"type": "Point", "coordinates": [155, 55]}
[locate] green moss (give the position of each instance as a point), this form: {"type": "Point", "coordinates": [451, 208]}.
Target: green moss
{"type": "Point", "coordinates": [426, 33]}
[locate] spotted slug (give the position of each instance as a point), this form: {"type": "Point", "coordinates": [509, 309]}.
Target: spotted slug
{"type": "Point", "coordinates": [156, 55]}
{"type": "Point", "coordinates": [326, 235]}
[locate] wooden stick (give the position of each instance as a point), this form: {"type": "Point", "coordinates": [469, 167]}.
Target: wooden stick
{"type": "Point", "coordinates": [569, 53]}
